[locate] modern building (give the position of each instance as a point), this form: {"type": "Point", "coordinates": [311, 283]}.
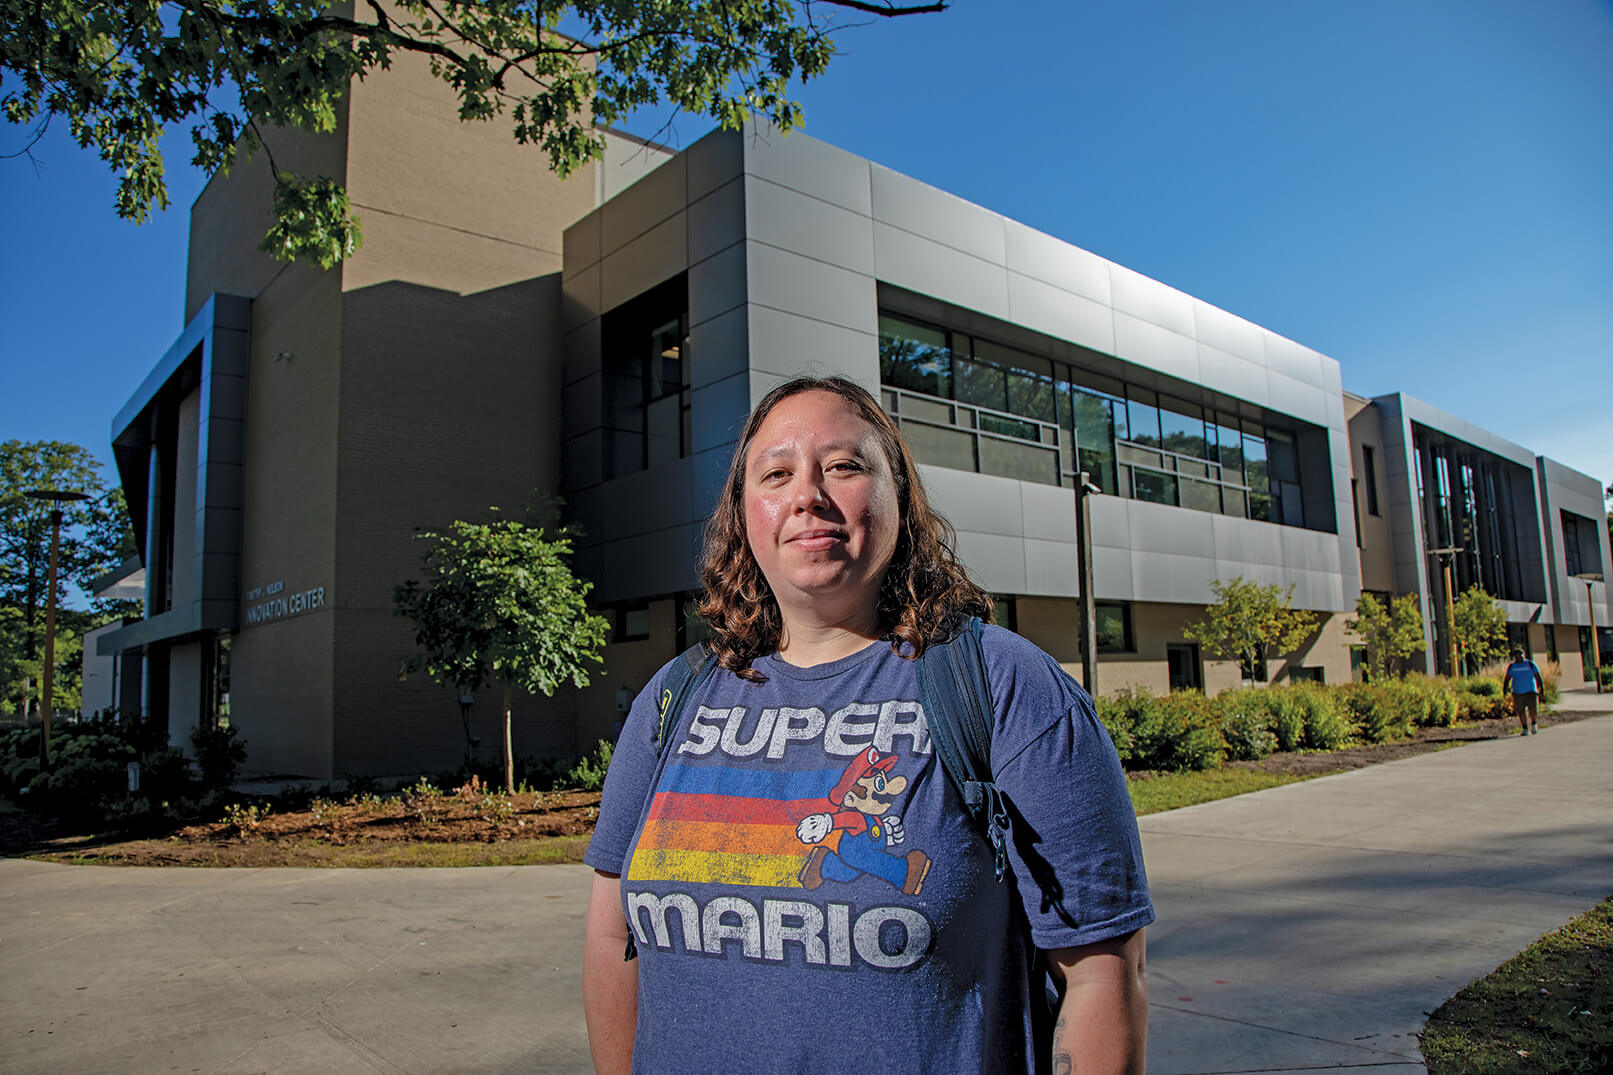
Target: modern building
{"type": "Point", "coordinates": [503, 334]}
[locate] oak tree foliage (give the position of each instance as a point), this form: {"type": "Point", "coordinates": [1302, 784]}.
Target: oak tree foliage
{"type": "Point", "coordinates": [1248, 622]}
{"type": "Point", "coordinates": [120, 74]}
{"type": "Point", "coordinates": [499, 606]}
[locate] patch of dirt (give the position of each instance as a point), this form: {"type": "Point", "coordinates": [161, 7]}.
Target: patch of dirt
{"type": "Point", "coordinates": [1426, 741]}
{"type": "Point", "coordinates": [362, 831]}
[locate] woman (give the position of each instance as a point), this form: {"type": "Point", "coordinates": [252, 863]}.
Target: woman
{"type": "Point", "coordinates": [805, 889]}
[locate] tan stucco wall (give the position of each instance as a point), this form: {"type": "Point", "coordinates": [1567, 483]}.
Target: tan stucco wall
{"type": "Point", "coordinates": [1051, 623]}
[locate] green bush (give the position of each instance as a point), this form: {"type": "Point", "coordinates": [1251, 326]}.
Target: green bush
{"type": "Point", "coordinates": [1379, 712]}
{"type": "Point", "coordinates": [1187, 734]}
{"type": "Point", "coordinates": [218, 753]}
{"type": "Point", "coordinates": [1323, 714]}
{"type": "Point", "coordinates": [1126, 716]}
{"type": "Point", "coordinates": [1287, 707]}
{"type": "Point", "coordinates": [589, 772]}
{"type": "Point", "coordinates": [1247, 733]}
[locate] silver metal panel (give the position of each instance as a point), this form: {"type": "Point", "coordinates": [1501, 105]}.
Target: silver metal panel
{"type": "Point", "coordinates": [647, 203]}
{"type": "Point", "coordinates": [579, 298]}
{"type": "Point", "coordinates": [651, 499]}
{"type": "Point", "coordinates": [1048, 512]}
{"type": "Point", "coordinates": [996, 561]}
{"type": "Point", "coordinates": [1333, 379]}
{"type": "Point", "coordinates": [788, 344]}
{"type": "Point", "coordinates": [1229, 332]}
{"type": "Point", "coordinates": [977, 502]}
{"type": "Point", "coordinates": [659, 562]}
{"type": "Point", "coordinates": [580, 243]}
{"type": "Point", "coordinates": [1042, 257]}
{"type": "Point", "coordinates": [1247, 540]}
{"type": "Point", "coordinates": [717, 410]}
{"type": "Point", "coordinates": [1166, 529]}
{"type": "Point", "coordinates": [581, 404]}
{"type": "Point", "coordinates": [1060, 313]}
{"type": "Point", "coordinates": [924, 210]}
{"type": "Point", "coordinates": [580, 351]}
{"type": "Point", "coordinates": [708, 472]}
{"type": "Point", "coordinates": [1227, 372]}
{"type": "Point", "coordinates": [931, 268]}
{"type": "Point", "coordinates": [1148, 344]}
{"type": "Point", "coordinates": [1112, 575]}
{"type": "Point", "coordinates": [713, 161]}
{"type": "Point", "coordinates": [717, 285]}
{"type": "Point", "coordinates": [790, 282]}
{"type": "Point", "coordinates": [645, 261]}
{"type": "Point", "coordinates": [1149, 300]}
{"type": "Point", "coordinates": [1111, 522]}
{"type": "Point", "coordinates": [1425, 414]}
{"type": "Point", "coordinates": [1159, 576]}
{"type": "Point", "coordinates": [803, 163]}
{"type": "Point", "coordinates": [808, 226]}
{"type": "Point", "coordinates": [1296, 398]}
{"type": "Point", "coordinates": [717, 221]}
{"type": "Point", "coordinates": [718, 347]}
{"type": "Point", "coordinates": [1050, 568]}
{"type": "Point", "coordinates": [1294, 360]}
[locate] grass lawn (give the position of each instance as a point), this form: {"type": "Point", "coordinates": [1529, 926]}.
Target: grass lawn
{"type": "Point", "coordinates": [1167, 791]}
{"type": "Point", "coordinates": [1547, 1009]}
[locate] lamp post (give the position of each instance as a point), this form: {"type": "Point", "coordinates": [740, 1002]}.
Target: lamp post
{"type": "Point", "coordinates": [1089, 602]}
{"type": "Point", "coordinates": [1448, 557]}
{"type": "Point", "coordinates": [47, 701]}
{"type": "Point", "coordinates": [1589, 577]}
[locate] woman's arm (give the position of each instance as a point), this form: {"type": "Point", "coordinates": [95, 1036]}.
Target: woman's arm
{"type": "Point", "coordinates": [1102, 1023]}
{"type": "Point", "coordinates": [609, 982]}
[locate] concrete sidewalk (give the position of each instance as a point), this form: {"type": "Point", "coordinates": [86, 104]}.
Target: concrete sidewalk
{"type": "Point", "coordinates": [1315, 925]}
{"type": "Point", "coordinates": [1310, 925]}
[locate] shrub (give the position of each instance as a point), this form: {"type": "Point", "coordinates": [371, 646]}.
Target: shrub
{"type": "Point", "coordinates": [1187, 734]}
{"type": "Point", "coordinates": [1323, 714]}
{"type": "Point", "coordinates": [1247, 732]}
{"type": "Point", "coordinates": [1287, 707]}
{"type": "Point", "coordinates": [589, 772]}
{"type": "Point", "coordinates": [1378, 712]}
{"type": "Point", "coordinates": [1128, 716]}
{"type": "Point", "coordinates": [1550, 672]}
{"type": "Point", "coordinates": [218, 753]}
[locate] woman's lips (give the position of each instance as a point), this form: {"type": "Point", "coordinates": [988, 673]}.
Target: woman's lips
{"type": "Point", "coordinates": [817, 540]}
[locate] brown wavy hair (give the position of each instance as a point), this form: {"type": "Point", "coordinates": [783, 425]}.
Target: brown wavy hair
{"type": "Point", "coordinates": [926, 593]}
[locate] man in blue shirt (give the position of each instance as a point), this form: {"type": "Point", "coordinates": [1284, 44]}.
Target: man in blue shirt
{"type": "Point", "coordinates": [1522, 678]}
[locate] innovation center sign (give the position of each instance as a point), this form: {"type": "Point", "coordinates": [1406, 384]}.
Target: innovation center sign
{"type": "Point", "coordinates": [273, 602]}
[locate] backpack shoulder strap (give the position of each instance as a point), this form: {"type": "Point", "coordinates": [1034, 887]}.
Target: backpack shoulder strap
{"type": "Point", "coordinates": [956, 696]}
{"type": "Point", "coordinates": [687, 672]}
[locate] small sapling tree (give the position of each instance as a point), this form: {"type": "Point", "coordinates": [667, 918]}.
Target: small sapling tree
{"type": "Point", "coordinates": [1248, 622]}
{"type": "Point", "coordinates": [1392, 632]}
{"type": "Point", "coordinates": [1479, 624]}
{"type": "Point", "coordinates": [500, 605]}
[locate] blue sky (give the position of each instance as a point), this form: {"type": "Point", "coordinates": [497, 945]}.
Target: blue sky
{"type": "Point", "coordinates": [1422, 191]}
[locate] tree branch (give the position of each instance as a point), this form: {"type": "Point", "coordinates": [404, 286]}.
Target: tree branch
{"type": "Point", "coordinates": [889, 11]}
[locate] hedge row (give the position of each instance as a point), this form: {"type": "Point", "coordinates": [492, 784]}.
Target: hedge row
{"type": "Point", "coordinates": [1186, 730]}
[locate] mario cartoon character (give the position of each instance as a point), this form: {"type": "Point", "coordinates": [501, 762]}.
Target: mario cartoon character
{"type": "Point", "coordinates": [862, 796]}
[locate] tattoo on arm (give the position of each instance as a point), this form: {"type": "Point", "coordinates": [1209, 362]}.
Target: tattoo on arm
{"type": "Point", "coordinates": [1063, 1064]}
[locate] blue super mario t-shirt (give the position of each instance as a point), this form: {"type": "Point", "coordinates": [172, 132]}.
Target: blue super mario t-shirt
{"type": "Point", "coordinates": [807, 893]}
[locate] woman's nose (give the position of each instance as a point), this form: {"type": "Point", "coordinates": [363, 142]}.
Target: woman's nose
{"type": "Point", "coordinates": [810, 493]}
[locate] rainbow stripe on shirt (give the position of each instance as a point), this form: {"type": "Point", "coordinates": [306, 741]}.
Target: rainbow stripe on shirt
{"type": "Point", "coordinates": [716, 824]}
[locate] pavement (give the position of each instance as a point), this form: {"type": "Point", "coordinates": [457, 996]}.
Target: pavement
{"type": "Point", "coordinates": [1309, 926]}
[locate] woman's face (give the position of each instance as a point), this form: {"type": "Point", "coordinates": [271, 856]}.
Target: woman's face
{"type": "Point", "coordinates": [821, 509]}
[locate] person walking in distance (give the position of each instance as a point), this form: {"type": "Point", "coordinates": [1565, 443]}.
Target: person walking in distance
{"type": "Point", "coordinates": [1523, 679]}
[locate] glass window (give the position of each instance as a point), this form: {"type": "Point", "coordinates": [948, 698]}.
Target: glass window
{"type": "Point", "coordinates": [1230, 443]}
{"type": "Point", "coordinates": [980, 383]}
{"type": "Point", "coordinates": [1114, 627]}
{"type": "Point", "coordinates": [914, 356]}
{"type": "Point", "coordinates": [1369, 472]}
{"type": "Point", "coordinates": [645, 348]}
{"type": "Point", "coordinates": [1095, 438]}
{"type": "Point", "coordinates": [1182, 426]}
{"type": "Point", "coordinates": [1143, 418]}
{"type": "Point", "coordinates": [1254, 475]}
{"type": "Point", "coordinates": [1156, 487]}
{"type": "Point", "coordinates": [632, 623]}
